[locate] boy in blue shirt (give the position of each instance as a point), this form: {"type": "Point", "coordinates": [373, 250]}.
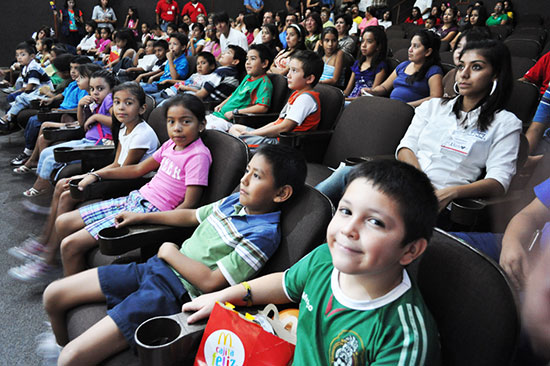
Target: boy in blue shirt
{"type": "Point", "coordinates": [234, 239]}
{"type": "Point", "coordinates": [176, 67]}
{"type": "Point", "coordinates": [70, 98]}
{"type": "Point", "coordinates": [357, 303]}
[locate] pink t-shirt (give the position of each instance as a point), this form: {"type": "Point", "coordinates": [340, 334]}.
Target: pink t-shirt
{"type": "Point", "coordinates": [178, 169]}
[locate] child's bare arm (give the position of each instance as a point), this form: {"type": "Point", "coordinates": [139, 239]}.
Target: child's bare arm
{"type": "Point", "coordinates": [197, 273]}
{"type": "Point", "coordinates": [273, 130]}
{"type": "Point", "coordinates": [181, 218]}
{"type": "Point", "coordinates": [193, 195]}
{"type": "Point", "coordinates": [123, 172]}
{"type": "Point", "coordinates": [265, 290]}
{"type": "Point", "coordinates": [201, 94]}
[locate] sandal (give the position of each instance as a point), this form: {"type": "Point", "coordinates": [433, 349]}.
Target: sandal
{"type": "Point", "coordinates": [33, 192]}
{"type": "Point", "coordinates": [23, 169]}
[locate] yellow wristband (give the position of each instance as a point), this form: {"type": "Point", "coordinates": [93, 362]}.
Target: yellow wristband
{"type": "Point", "coordinates": [248, 297]}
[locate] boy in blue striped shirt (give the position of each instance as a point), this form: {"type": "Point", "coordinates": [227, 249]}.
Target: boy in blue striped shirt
{"type": "Point", "coordinates": [234, 239]}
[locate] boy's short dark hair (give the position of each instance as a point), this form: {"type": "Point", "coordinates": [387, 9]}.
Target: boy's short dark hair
{"type": "Point", "coordinates": [87, 70]}
{"type": "Point", "coordinates": [410, 188]}
{"type": "Point", "coordinates": [238, 54]}
{"type": "Point", "coordinates": [288, 165]}
{"type": "Point", "coordinates": [264, 52]}
{"type": "Point", "coordinates": [63, 62]}
{"type": "Point", "coordinates": [208, 56]}
{"type": "Point", "coordinates": [155, 26]}
{"type": "Point", "coordinates": [81, 60]}
{"type": "Point", "coordinates": [182, 38]}
{"type": "Point", "coordinates": [27, 47]}
{"type": "Point", "coordinates": [312, 64]}
{"type": "Point", "coordinates": [172, 25]}
{"type": "Point", "coordinates": [221, 17]}
{"type": "Point", "coordinates": [161, 43]}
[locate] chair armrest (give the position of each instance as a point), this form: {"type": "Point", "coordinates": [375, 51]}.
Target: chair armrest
{"type": "Point", "coordinates": [210, 105]}
{"type": "Point", "coordinates": [312, 143]}
{"type": "Point", "coordinates": [53, 116]}
{"type": "Point", "coordinates": [113, 241]}
{"type": "Point", "coordinates": [109, 188]}
{"type": "Point", "coordinates": [63, 133]}
{"type": "Point", "coordinates": [254, 120]}
{"type": "Point", "coordinates": [93, 157]}
{"type": "Point", "coordinates": [470, 212]}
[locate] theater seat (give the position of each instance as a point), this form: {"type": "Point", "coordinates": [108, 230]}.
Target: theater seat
{"type": "Point", "coordinates": [471, 300]}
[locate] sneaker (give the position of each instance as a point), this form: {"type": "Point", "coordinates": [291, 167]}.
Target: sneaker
{"type": "Point", "coordinates": [30, 250]}
{"type": "Point", "coordinates": [35, 271]}
{"type": "Point", "coordinates": [19, 159]}
{"type": "Point", "coordinates": [8, 89]}
{"type": "Point", "coordinates": [47, 348]}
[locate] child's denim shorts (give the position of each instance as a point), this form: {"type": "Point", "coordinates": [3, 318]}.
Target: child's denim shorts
{"type": "Point", "coordinates": [137, 292]}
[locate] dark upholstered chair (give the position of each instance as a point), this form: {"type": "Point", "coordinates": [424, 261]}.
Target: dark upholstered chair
{"type": "Point", "coordinates": [303, 227]}
{"type": "Point", "coordinates": [368, 126]}
{"type": "Point", "coordinates": [524, 47]}
{"type": "Point", "coordinates": [471, 300]}
{"type": "Point", "coordinates": [523, 102]}
{"type": "Point", "coordinates": [520, 65]}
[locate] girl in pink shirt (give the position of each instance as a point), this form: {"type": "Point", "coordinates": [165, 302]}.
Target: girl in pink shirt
{"type": "Point", "coordinates": [183, 163]}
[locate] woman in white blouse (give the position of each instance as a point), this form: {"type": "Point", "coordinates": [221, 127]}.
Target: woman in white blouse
{"type": "Point", "coordinates": [104, 15]}
{"type": "Point", "coordinates": [453, 140]}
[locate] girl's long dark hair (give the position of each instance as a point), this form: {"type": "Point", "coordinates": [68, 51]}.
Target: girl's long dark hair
{"type": "Point", "coordinates": [137, 91]}
{"type": "Point", "coordinates": [498, 56]}
{"type": "Point", "coordinates": [128, 36]}
{"type": "Point", "coordinates": [382, 43]}
{"type": "Point", "coordinates": [429, 40]}
{"type": "Point", "coordinates": [302, 38]}
{"type": "Point", "coordinates": [327, 30]}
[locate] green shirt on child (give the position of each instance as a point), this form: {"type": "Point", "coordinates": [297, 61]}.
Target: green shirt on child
{"type": "Point", "coordinates": [249, 92]}
{"type": "Point", "coordinates": [333, 329]}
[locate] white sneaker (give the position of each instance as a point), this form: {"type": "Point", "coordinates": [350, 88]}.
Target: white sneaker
{"type": "Point", "coordinates": [30, 250]}
{"type": "Point", "coordinates": [47, 348]}
{"type": "Point", "coordinates": [35, 271]}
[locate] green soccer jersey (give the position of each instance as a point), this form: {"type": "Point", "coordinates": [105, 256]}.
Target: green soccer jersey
{"type": "Point", "coordinates": [333, 329]}
{"type": "Point", "coordinates": [250, 92]}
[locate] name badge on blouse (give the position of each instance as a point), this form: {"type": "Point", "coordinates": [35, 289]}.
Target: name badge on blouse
{"type": "Point", "coordinates": [458, 144]}
{"type": "Point", "coordinates": [169, 12]}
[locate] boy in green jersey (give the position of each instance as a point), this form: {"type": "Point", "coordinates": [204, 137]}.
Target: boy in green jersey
{"type": "Point", "coordinates": [253, 94]}
{"type": "Point", "coordinates": [358, 305]}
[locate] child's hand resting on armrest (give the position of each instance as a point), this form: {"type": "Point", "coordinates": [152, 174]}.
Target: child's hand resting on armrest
{"type": "Point", "coordinates": [128, 218]}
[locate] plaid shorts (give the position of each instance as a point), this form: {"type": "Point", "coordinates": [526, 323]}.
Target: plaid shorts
{"type": "Point", "coordinates": [101, 215]}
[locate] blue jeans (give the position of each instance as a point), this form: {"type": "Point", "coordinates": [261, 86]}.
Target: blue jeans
{"type": "Point", "coordinates": [333, 187]}
{"type": "Point", "coordinates": [46, 162]}
{"type": "Point", "coordinates": [150, 88]}
{"type": "Point", "coordinates": [31, 132]}
{"type": "Point", "coordinates": [488, 243]}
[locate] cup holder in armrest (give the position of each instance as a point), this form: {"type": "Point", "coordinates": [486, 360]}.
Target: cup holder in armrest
{"type": "Point", "coordinates": [168, 340]}
{"type": "Point", "coordinates": [63, 133]}
{"type": "Point", "coordinates": [114, 241]}
{"type": "Point", "coordinates": [466, 211]}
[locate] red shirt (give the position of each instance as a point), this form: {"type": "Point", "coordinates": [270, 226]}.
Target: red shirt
{"type": "Point", "coordinates": [167, 11]}
{"type": "Point", "coordinates": [539, 74]}
{"type": "Point", "coordinates": [193, 11]}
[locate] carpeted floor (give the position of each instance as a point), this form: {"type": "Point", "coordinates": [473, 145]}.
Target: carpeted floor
{"type": "Point", "coordinates": [21, 313]}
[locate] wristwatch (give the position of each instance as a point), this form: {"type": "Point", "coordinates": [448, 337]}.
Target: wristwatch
{"type": "Point", "coordinates": [235, 111]}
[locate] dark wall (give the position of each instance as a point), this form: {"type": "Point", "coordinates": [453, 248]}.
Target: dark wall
{"type": "Point", "coordinates": [20, 18]}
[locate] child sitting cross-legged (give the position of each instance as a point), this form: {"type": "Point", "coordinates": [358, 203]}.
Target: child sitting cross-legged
{"type": "Point", "coordinates": [183, 163]}
{"type": "Point", "coordinates": [303, 109]}
{"type": "Point", "coordinates": [234, 239]}
{"type": "Point", "coordinates": [252, 96]}
{"type": "Point", "coordinates": [356, 299]}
